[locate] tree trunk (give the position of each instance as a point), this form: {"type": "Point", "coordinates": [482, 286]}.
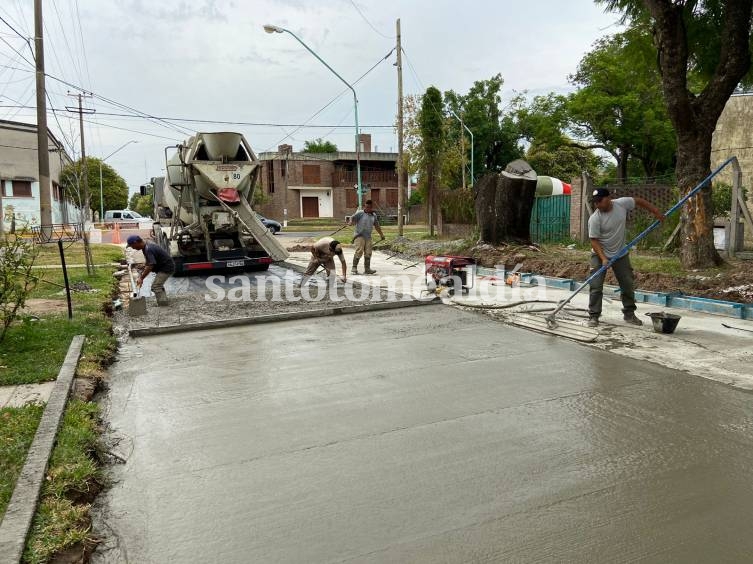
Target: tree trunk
{"type": "Point", "coordinates": [693, 165]}
{"type": "Point", "coordinates": [503, 208]}
{"type": "Point", "coordinates": [622, 165]}
{"type": "Point", "coordinates": [484, 191]}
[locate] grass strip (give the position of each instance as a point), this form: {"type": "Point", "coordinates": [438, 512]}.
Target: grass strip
{"type": "Point", "coordinates": [73, 480]}
{"type": "Point", "coordinates": [17, 428]}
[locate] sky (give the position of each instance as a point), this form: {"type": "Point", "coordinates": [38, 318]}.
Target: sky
{"type": "Point", "coordinates": [211, 60]}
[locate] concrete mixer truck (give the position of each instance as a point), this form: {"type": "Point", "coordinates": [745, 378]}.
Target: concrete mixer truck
{"type": "Point", "coordinates": [202, 207]}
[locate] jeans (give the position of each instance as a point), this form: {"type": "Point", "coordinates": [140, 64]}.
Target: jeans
{"type": "Point", "coordinates": [623, 271]}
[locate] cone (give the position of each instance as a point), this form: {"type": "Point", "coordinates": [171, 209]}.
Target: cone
{"type": "Point", "coordinates": [116, 235]}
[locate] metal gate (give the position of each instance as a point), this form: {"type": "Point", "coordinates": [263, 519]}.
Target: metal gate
{"type": "Point", "coordinates": [550, 219]}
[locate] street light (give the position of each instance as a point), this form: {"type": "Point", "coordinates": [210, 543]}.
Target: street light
{"type": "Point", "coordinates": [101, 198]}
{"type": "Point", "coordinates": [277, 29]}
{"type": "Point", "coordinates": [471, 132]}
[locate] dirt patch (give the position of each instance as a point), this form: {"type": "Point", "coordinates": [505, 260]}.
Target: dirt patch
{"type": "Point", "coordinates": [734, 283]}
{"type": "Point", "coordinates": [43, 306]}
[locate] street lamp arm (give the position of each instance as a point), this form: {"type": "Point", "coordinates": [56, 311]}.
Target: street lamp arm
{"type": "Point", "coordinates": [276, 29]}
{"type": "Point", "coordinates": [322, 61]}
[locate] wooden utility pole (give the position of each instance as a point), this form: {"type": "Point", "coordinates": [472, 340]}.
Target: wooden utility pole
{"type": "Point", "coordinates": [45, 186]}
{"type": "Point", "coordinates": [400, 167]}
{"type": "Point", "coordinates": [85, 196]}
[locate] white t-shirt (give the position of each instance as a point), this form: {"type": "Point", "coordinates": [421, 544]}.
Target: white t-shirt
{"type": "Point", "coordinates": [609, 227]}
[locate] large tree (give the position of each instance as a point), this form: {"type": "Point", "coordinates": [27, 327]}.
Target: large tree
{"type": "Point", "coordinates": [703, 52]}
{"type": "Point", "coordinates": [431, 123]}
{"type": "Point", "coordinates": [114, 187]}
{"type": "Point", "coordinates": [618, 105]}
{"type": "Point", "coordinates": [495, 137]}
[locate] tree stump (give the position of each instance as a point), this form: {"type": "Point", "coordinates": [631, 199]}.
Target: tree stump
{"type": "Point", "coordinates": [504, 203]}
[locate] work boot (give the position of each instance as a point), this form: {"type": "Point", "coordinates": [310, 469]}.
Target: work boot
{"type": "Point", "coordinates": [367, 266]}
{"type": "Point", "coordinates": [632, 319]}
{"type": "Point", "coordinates": [593, 321]}
{"type": "Point", "coordinates": [354, 270]}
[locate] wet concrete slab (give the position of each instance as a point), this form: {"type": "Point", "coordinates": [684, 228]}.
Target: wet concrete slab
{"type": "Point", "coordinates": [426, 435]}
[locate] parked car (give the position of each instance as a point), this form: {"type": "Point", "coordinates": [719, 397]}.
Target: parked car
{"type": "Point", "coordinates": [125, 216]}
{"type": "Point", "coordinates": [274, 226]}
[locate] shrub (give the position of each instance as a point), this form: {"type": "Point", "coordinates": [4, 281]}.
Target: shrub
{"type": "Point", "coordinates": [16, 281]}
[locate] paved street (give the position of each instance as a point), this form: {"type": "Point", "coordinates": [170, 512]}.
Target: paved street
{"type": "Point", "coordinates": [421, 435]}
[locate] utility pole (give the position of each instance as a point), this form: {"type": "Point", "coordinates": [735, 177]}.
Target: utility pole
{"type": "Point", "coordinates": [400, 172]}
{"type": "Point", "coordinates": [462, 150]}
{"type": "Point", "coordinates": [45, 186]}
{"type": "Point", "coordinates": [85, 196]}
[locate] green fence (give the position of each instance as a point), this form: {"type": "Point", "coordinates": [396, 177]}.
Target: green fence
{"type": "Point", "coordinates": [550, 219]}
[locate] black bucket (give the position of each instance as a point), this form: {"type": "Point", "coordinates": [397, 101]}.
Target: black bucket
{"type": "Point", "coordinates": [664, 322]}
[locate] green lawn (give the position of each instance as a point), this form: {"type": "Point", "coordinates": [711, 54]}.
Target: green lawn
{"type": "Point", "coordinates": [74, 254]}
{"type": "Point", "coordinates": [73, 478]}
{"type": "Point", "coordinates": [34, 348]}
{"type": "Point", "coordinates": [17, 428]}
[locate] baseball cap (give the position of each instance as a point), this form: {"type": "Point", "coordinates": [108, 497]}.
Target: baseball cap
{"type": "Point", "coordinates": [132, 239]}
{"type": "Point", "coordinates": [598, 194]}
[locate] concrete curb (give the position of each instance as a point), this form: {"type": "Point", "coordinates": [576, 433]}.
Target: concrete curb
{"type": "Point", "coordinates": [324, 312]}
{"type": "Point", "coordinates": [23, 504]}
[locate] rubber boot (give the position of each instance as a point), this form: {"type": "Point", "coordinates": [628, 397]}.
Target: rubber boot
{"type": "Point", "coordinates": [354, 270]}
{"type": "Point", "coordinates": [367, 266]}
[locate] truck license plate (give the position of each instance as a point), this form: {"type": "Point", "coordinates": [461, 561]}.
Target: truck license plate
{"type": "Point", "coordinates": [232, 263]}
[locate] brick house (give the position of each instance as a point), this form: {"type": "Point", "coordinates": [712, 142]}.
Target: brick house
{"type": "Point", "coordinates": [310, 185]}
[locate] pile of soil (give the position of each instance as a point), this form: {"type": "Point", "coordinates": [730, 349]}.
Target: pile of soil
{"type": "Point", "coordinates": [734, 283]}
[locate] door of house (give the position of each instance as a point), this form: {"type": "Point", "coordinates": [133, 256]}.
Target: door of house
{"type": "Point", "coordinates": [310, 206]}
{"type": "Point", "coordinates": [375, 196]}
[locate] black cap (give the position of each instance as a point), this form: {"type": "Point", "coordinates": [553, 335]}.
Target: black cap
{"type": "Point", "coordinates": [599, 193]}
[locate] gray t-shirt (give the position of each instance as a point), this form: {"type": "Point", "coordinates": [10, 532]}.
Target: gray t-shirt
{"type": "Point", "coordinates": [609, 227]}
{"type": "Point", "coordinates": [364, 223]}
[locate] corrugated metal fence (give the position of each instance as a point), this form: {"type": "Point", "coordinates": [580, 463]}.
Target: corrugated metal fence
{"type": "Point", "coordinates": [550, 219]}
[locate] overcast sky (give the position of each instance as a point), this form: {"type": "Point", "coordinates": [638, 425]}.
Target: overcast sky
{"type": "Point", "coordinates": [211, 60]}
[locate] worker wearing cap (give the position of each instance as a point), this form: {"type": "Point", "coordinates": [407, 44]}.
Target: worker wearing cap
{"type": "Point", "coordinates": [158, 261]}
{"type": "Point", "coordinates": [606, 229]}
{"type": "Point", "coordinates": [323, 254]}
{"type": "Point", "coordinates": [364, 220]}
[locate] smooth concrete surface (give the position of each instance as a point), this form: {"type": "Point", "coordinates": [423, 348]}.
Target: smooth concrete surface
{"type": "Point", "coordinates": [418, 435]}
{"type": "Point", "coordinates": [701, 345]}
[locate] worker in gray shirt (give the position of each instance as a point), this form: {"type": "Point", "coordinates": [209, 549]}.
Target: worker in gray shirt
{"type": "Point", "coordinates": [606, 229]}
{"type": "Point", "coordinates": [364, 220]}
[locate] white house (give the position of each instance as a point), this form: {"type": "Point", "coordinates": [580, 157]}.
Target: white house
{"type": "Point", "coordinates": [19, 177]}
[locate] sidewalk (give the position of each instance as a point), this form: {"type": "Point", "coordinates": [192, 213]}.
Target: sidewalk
{"type": "Point", "coordinates": [21, 394]}
{"type": "Point", "coordinates": [700, 345]}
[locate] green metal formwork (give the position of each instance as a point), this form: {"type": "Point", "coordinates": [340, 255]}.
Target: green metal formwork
{"type": "Point", "coordinates": [550, 219]}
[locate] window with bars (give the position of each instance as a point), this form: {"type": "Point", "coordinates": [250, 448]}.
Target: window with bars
{"type": "Point", "coordinates": [312, 174]}
{"type": "Point", "coordinates": [21, 189]}
{"type": "Point", "coordinates": [56, 192]}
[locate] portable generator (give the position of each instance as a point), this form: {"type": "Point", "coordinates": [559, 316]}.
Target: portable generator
{"type": "Point", "coordinates": [450, 272]}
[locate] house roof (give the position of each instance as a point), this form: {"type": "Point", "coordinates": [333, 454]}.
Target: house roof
{"type": "Point", "coordinates": [32, 128]}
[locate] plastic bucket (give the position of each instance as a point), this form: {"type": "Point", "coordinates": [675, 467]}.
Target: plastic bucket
{"type": "Point", "coordinates": [664, 322]}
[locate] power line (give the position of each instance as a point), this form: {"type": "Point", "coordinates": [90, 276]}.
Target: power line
{"type": "Point", "coordinates": [368, 22]}
{"type": "Point", "coordinates": [221, 122]}
{"type": "Point", "coordinates": [340, 95]}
